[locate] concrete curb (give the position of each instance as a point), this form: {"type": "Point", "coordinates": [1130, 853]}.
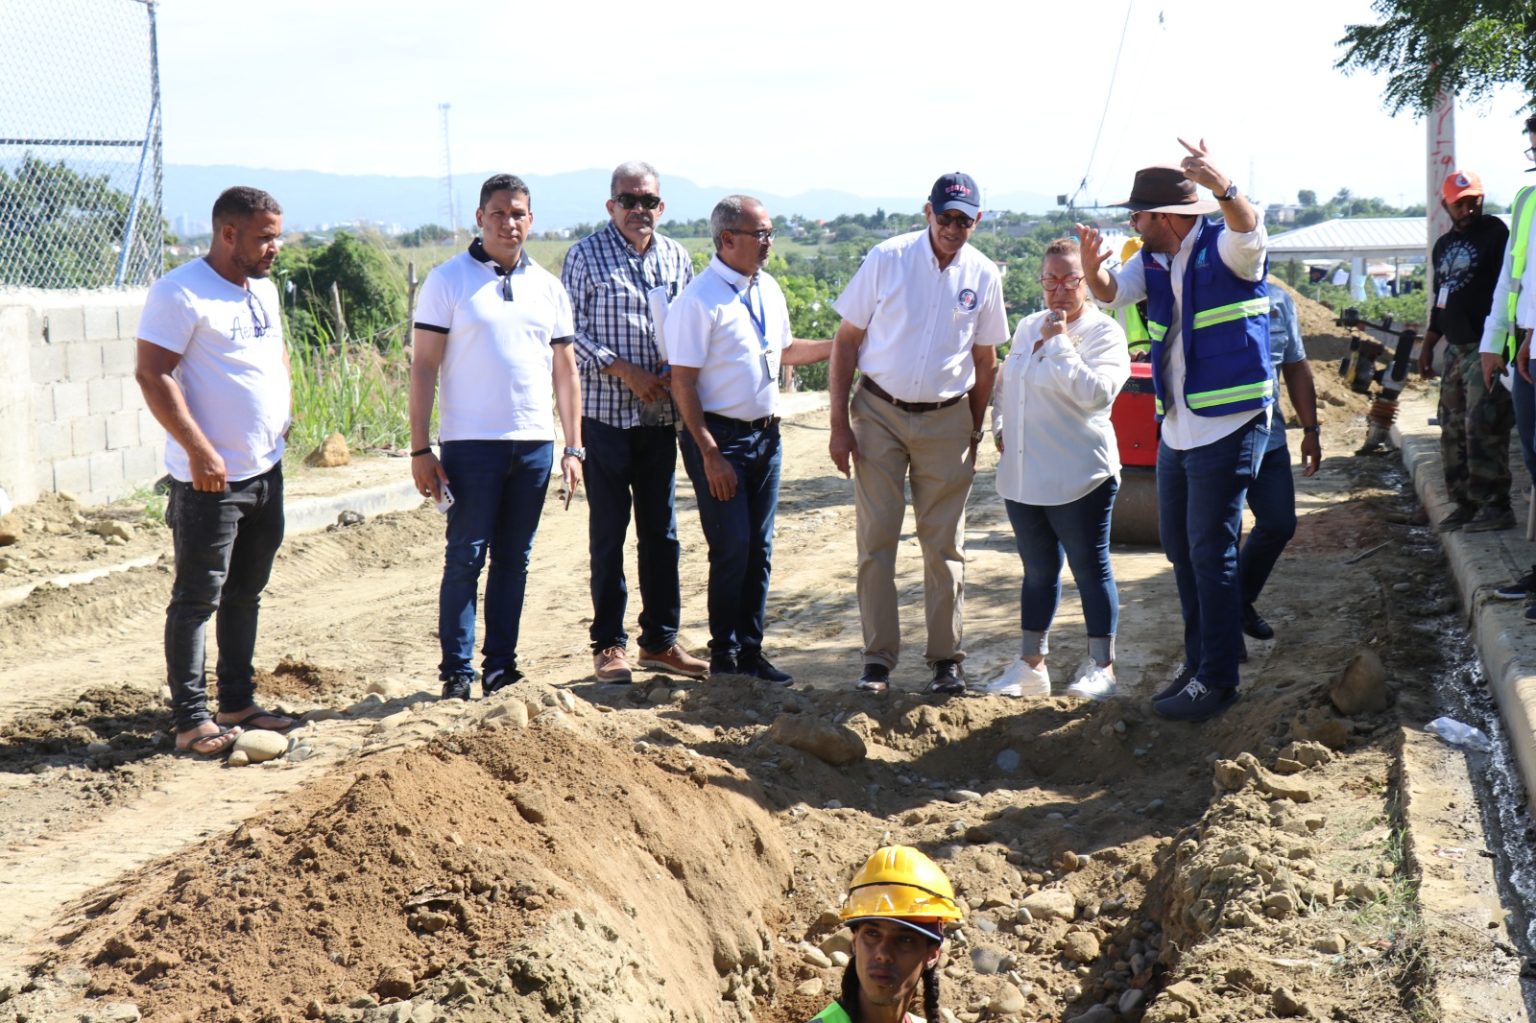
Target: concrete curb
{"type": "Point", "coordinates": [1506, 642]}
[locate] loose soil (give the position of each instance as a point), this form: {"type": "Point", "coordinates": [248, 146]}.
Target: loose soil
{"type": "Point", "coordinates": [669, 850]}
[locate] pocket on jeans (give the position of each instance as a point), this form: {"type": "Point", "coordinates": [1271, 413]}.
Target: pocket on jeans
{"type": "Point", "coordinates": [1255, 445]}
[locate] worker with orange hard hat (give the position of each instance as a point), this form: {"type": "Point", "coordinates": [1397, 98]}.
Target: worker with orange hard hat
{"type": "Point", "coordinates": [898, 906]}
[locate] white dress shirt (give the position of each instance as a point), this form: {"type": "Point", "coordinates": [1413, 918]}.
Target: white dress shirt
{"type": "Point", "coordinates": [710, 328]}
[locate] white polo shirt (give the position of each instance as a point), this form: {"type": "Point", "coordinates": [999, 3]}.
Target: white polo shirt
{"type": "Point", "coordinates": [231, 372]}
{"type": "Point", "coordinates": [710, 328]}
{"type": "Point", "coordinates": [920, 321]}
{"type": "Point", "coordinates": [496, 378]}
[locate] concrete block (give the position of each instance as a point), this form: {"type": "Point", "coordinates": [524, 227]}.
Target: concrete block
{"type": "Point", "coordinates": [47, 363]}
{"type": "Point", "coordinates": [53, 440]}
{"type": "Point", "coordinates": [42, 405]}
{"type": "Point", "coordinates": [104, 395]}
{"type": "Point", "coordinates": [73, 475]}
{"type": "Point", "coordinates": [107, 475]}
{"type": "Point", "coordinates": [122, 430]}
{"type": "Point", "coordinates": [70, 400]}
{"type": "Point", "coordinates": [119, 357]}
{"type": "Point", "coordinates": [128, 320]}
{"type": "Point", "coordinates": [83, 360]}
{"type": "Point", "coordinates": [101, 323]}
{"type": "Point", "coordinates": [88, 435]}
{"type": "Point", "coordinates": [62, 325]}
{"type": "Point", "coordinates": [143, 465]}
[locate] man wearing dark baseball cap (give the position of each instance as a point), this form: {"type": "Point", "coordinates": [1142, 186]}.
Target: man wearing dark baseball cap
{"type": "Point", "coordinates": [1208, 317]}
{"type": "Point", "coordinates": [921, 321]}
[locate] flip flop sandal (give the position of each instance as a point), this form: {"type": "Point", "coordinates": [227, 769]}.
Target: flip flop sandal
{"type": "Point", "coordinates": [199, 749]}
{"type": "Point", "coordinates": [256, 715]}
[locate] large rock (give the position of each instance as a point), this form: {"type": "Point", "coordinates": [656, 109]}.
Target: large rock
{"type": "Point", "coordinates": [1081, 947]}
{"type": "Point", "coordinates": [11, 528]}
{"type": "Point", "coordinates": [331, 453]}
{"type": "Point", "coordinates": [833, 744]}
{"type": "Point", "coordinates": [1361, 687]}
{"type": "Point", "coordinates": [260, 745]}
{"type": "Point", "coordinates": [1051, 903]}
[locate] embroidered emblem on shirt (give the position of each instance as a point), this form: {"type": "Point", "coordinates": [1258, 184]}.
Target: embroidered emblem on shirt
{"type": "Point", "coordinates": [967, 299]}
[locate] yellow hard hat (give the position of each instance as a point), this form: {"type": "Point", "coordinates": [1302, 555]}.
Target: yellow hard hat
{"type": "Point", "coordinates": [1130, 248]}
{"type": "Point", "coordinates": [900, 883]}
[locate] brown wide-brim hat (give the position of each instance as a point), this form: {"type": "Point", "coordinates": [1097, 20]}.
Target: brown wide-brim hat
{"type": "Point", "coordinates": [1165, 189]}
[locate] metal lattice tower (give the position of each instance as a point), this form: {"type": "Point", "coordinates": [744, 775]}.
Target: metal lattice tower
{"type": "Point", "coordinates": [450, 208]}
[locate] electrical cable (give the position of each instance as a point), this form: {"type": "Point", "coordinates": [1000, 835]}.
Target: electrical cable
{"type": "Point", "coordinates": [1104, 115]}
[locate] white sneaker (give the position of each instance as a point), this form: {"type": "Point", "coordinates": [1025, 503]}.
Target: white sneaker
{"type": "Point", "coordinates": [1096, 682]}
{"type": "Point", "coordinates": [1021, 679]}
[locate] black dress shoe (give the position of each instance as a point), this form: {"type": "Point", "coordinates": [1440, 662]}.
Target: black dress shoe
{"type": "Point", "coordinates": [458, 687]}
{"type": "Point", "coordinates": [876, 679]}
{"type": "Point", "coordinates": [946, 678]}
{"type": "Point", "coordinates": [760, 667]}
{"type": "Point", "coordinates": [1255, 626]}
{"type": "Point", "coordinates": [723, 666]}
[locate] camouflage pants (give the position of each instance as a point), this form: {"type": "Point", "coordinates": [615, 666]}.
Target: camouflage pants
{"type": "Point", "coordinates": [1474, 431]}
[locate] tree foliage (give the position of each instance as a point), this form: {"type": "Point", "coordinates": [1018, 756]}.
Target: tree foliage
{"type": "Point", "coordinates": [60, 228]}
{"type": "Point", "coordinates": [370, 286]}
{"type": "Point", "coordinates": [1464, 48]}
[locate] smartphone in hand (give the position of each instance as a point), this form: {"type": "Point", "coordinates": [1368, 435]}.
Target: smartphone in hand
{"type": "Point", "coordinates": [446, 501]}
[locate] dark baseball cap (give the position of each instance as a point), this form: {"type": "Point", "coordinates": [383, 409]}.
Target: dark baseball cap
{"type": "Point", "coordinates": [956, 191]}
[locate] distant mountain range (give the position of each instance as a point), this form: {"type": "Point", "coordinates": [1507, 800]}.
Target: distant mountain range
{"type": "Point", "coordinates": [312, 200]}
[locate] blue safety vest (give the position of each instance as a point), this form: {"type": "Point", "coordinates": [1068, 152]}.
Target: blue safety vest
{"type": "Point", "coordinates": [1224, 330]}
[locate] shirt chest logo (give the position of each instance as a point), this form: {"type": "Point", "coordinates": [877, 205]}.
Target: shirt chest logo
{"type": "Point", "coordinates": [966, 299]}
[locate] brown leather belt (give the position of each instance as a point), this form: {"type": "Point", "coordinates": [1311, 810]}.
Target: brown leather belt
{"type": "Point", "coordinates": [906, 406]}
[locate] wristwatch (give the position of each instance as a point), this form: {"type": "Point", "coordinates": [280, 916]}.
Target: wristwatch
{"type": "Point", "coordinates": [580, 454]}
{"type": "Point", "coordinates": [1229, 194]}
{"type": "Point", "coordinates": [1314, 428]}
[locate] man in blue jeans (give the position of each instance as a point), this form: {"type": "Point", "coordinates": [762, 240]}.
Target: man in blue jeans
{"type": "Point", "coordinates": [1272, 494]}
{"type": "Point", "coordinates": [1208, 318]}
{"type": "Point", "coordinates": [497, 328]}
{"type": "Point", "coordinates": [726, 336]}
{"type": "Point", "coordinates": [629, 423]}
{"type": "Point", "coordinates": [214, 372]}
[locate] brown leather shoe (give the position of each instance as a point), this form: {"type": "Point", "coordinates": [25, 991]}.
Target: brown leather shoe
{"type": "Point", "coordinates": [676, 660]}
{"type": "Point", "coordinates": [610, 665]}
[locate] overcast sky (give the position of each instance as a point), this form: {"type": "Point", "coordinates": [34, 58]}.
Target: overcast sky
{"type": "Point", "coordinates": [795, 94]}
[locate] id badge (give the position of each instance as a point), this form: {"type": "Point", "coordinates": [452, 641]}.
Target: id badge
{"type": "Point", "coordinates": [1445, 293]}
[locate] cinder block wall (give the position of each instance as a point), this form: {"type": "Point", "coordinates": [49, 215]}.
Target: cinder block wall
{"type": "Point", "coordinates": [72, 415]}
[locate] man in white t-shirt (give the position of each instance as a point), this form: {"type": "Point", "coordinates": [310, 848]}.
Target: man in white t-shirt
{"type": "Point", "coordinates": [214, 372]}
{"type": "Point", "coordinates": [922, 319]}
{"type": "Point", "coordinates": [726, 336]}
{"type": "Point", "coordinates": [497, 328]}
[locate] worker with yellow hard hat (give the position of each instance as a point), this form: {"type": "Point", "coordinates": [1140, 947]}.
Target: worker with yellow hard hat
{"type": "Point", "coordinates": [1133, 318]}
{"type": "Point", "coordinates": [898, 906]}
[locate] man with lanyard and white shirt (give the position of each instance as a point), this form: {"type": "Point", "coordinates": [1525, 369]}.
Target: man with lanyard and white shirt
{"type": "Point", "coordinates": [726, 336]}
{"type": "Point", "coordinates": [921, 321]}
{"type": "Point", "coordinates": [1208, 317]}
{"type": "Point", "coordinates": [498, 327]}
{"type": "Point", "coordinates": [214, 371]}
{"type": "Point", "coordinates": [628, 423]}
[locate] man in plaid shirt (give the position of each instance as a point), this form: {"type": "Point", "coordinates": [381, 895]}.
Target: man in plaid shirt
{"type": "Point", "coordinates": [629, 423]}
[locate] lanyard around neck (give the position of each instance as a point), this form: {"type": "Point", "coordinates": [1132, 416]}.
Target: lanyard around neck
{"type": "Point", "coordinates": [759, 316]}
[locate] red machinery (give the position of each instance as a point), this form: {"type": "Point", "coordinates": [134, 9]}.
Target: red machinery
{"type": "Point", "coordinates": [1135, 417]}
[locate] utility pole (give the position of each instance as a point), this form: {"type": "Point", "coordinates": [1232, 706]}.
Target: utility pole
{"type": "Point", "coordinates": [450, 208]}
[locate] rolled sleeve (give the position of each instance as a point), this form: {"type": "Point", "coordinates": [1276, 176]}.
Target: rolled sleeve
{"type": "Point", "coordinates": [1244, 251]}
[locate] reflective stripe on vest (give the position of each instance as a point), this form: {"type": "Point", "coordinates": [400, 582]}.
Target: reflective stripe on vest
{"type": "Point", "coordinates": [1519, 241]}
{"type": "Point", "coordinates": [1227, 395]}
{"type": "Point", "coordinates": [1156, 331]}
{"type": "Point", "coordinates": [1233, 311]}
{"type": "Point", "coordinates": [1136, 336]}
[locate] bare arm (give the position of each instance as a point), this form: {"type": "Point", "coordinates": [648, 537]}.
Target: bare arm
{"type": "Point", "coordinates": [426, 359]}
{"type": "Point", "coordinates": [685, 391]}
{"type": "Point", "coordinates": [804, 352]}
{"type": "Point", "coordinates": [568, 404]}
{"type": "Point", "coordinates": [154, 373]}
{"type": "Point", "coordinates": [1091, 245]}
{"type": "Point", "coordinates": [985, 357]}
{"type": "Point", "coordinates": [1298, 384]}
{"type": "Point", "coordinates": [845, 359]}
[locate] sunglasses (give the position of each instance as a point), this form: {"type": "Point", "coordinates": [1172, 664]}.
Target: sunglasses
{"type": "Point", "coordinates": [959, 220]}
{"type": "Point", "coordinates": [506, 286]}
{"type": "Point", "coordinates": [259, 321]}
{"type": "Point", "coordinates": [629, 202]}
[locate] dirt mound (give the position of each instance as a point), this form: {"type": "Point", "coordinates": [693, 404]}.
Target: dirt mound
{"type": "Point", "coordinates": [520, 875]}
{"type": "Point", "coordinates": [297, 680]}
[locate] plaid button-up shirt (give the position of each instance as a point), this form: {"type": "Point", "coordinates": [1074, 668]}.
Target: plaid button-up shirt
{"type": "Point", "coordinates": [608, 282]}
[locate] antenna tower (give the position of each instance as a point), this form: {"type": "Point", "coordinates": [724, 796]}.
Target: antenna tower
{"type": "Point", "coordinates": [450, 208]}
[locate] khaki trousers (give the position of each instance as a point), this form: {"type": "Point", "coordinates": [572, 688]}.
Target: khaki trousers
{"type": "Point", "coordinates": [934, 448]}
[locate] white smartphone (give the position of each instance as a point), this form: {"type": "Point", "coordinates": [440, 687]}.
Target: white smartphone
{"type": "Point", "coordinates": [446, 501]}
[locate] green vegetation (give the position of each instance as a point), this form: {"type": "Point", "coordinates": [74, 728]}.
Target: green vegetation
{"type": "Point", "coordinates": [360, 390]}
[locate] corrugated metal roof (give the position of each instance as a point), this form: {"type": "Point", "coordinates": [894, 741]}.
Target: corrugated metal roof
{"type": "Point", "coordinates": [1371, 237]}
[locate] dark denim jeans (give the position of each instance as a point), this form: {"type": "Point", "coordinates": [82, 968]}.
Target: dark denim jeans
{"type": "Point", "coordinates": [634, 467]}
{"type": "Point", "coordinates": [1525, 421]}
{"type": "Point", "coordinates": [1199, 506]}
{"type": "Point", "coordinates": [739, 533]}
{"type": "Point", "coordinates": [1272, 499]}
{"type": "Point", "coordinates": [1080, 531]}
{"type": "Point", "coordinates": [498, 490]}
{"type": "Point", "coordinates": [224, 545]}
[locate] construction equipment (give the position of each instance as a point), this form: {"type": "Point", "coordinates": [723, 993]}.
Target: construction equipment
{"type": "Point", "coordinates": [1362, 369]}
{"type": "Point", "coordinates": [1134, 414]}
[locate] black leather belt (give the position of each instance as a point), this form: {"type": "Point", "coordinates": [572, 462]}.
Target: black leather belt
{"type": "Point", "coordinates": [906, 406]}
{"type": "Point", "coordinates": [746, 424]}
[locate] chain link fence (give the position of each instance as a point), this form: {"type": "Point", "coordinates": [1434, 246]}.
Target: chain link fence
{"type": "Point", "coordinates": [80, 161]}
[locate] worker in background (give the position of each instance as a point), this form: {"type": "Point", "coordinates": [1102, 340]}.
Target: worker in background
{"type": "Point", "coordinates": [1133, 318]}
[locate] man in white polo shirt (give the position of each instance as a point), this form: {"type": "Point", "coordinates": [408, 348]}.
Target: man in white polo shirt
{"type": "Point", "coordinates": [726, 336]}
{"type": "Point", "coordinates": [214, 372]}
{"type": "Point", "coordinates": [498, 328]}
{"type": "Point", "coordinates": [921, 321]}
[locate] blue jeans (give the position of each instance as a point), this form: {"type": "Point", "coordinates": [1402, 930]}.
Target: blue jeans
{"type": "Point", "coordinates": [1199, 505]}
{"type": "Point", "coordinates": [739, 533]}
{"type": "Point", "coordinates": [225, 544]}
{"type": "Point", "coordinates": [1272, 498]}
{"type": "Point", "coordinates": [498, 489]}
{"type": "Point", "coordinates": [1080, 531]}
{"type": "Point", "coordinates": [1525, 421]}
{"type": "Point", "coordinates": [640, 461]}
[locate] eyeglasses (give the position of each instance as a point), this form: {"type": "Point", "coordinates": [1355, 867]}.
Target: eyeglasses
{"type": "Point", "coordinates": [645, 202]}
{"type": "Point", "coordinates": [959, 220]}
{"type": "Point", "coordinates": [259, 321]}
{"type": "Point", "coordinates": [506, 286]}
{"type": "Point", "coordinates": [1061, 283]}
{"type": "Point", "coordinates": [762, 234]}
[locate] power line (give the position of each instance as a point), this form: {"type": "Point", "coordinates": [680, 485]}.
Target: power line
{"type": "Point", "coordinates": [1104, 115]}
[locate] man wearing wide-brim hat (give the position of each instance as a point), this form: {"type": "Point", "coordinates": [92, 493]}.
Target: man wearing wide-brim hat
{"type": "Point", "coordinates": [1208, 317]}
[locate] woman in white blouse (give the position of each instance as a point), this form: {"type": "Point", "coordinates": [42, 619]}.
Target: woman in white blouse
{"type": "Point", "coordinates": [1059, 469]}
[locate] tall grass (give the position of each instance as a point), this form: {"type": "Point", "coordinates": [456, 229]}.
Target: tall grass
{"type": "Point", "coordinates": [360, 389]}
